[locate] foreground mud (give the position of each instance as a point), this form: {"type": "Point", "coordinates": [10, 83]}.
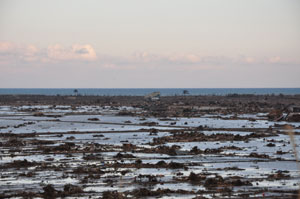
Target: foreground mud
{"type": "Point", "coordinates": [180, 147]}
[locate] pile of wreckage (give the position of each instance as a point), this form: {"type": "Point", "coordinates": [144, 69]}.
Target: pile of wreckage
{"type": "Point", "coordinates": [291, 114]}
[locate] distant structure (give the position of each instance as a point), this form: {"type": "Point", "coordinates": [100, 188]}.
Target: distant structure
{"type": "Point", "coordinates": [185, 92]}
{"type": "Point", "coordinates": [153, 96]}
{"type": "Point", "coordinates": [75, 92]}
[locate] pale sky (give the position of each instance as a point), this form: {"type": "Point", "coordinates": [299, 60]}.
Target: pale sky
{"type": "Point", "coordinates": [149, 44]}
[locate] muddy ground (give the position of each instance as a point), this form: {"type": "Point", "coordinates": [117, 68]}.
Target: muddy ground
{"type": "Point", "coordinates": [235, 146]}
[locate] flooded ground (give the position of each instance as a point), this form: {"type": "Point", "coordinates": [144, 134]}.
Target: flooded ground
{"type": "Point", "coordinates": [105, 151]}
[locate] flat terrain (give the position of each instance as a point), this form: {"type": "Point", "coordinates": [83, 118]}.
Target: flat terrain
{"type": "Point", "coordinates": [236, 146]}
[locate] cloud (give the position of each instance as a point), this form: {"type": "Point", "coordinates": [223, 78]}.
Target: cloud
{"type": "Point", "coordinates": [148, 58]}
{"type": "Point", "coordinates": [178, 59]}
{"type": "Point", "coordinates": [6, 47]}
{"type": "Point", "coordinates": [19, 53]}
{"type": "Point", "coordinates": [76, 52]}
{"type": "Point", "coordinates": [11, 52]}
{"type": "Point", "coordinates": [184, 58]}
{"type": "Point", "coordinates": [275, 59]}
{"type": "Point", "coordinates": [272, 60]}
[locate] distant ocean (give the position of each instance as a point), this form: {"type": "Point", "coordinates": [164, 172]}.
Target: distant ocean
{"type": "Point", "coordinates": [144, 91]}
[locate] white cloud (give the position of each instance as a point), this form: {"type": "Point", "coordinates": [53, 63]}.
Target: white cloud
{"type": "Point", "coordinates": [6, 47]}
{"type": "Point", "coordinates": [183, 59]}
{"type": "Point", "coordinates": [10, 52]}
{"type": "Point", "coordinates": [18, 54]}
{"type": "Point", "coordinates": [275, 59]}
{"type": "Point", "coordinates": [75, 52]}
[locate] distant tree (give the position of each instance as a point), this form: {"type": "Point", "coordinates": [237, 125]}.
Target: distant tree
{"type": "Point", "coordinates": [185, 92]}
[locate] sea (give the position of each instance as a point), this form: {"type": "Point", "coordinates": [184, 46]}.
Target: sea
{"type": "Point", "coordinates": [145, 91]}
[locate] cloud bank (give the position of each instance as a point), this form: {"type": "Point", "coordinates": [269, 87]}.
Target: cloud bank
{"type": "Point", "coordinates": [78, 65]}
{"type": "Point", "coordinates": [12, 53]}
{"type": "Point", "coordinates": [75, 52]}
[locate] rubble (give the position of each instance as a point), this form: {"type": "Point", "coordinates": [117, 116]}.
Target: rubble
{"type": "Point", "coordinates": [181, 146]}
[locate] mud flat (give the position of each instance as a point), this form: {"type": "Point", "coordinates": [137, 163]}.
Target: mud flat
{"type": "Point", "coordinates": [234, 146]}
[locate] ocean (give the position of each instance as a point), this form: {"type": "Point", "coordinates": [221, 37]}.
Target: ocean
{"type": "Point", "coordinates": [145, 91]}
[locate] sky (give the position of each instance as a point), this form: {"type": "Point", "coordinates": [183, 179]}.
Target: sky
{"type": "Point", "coordinates": [149, 44]}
